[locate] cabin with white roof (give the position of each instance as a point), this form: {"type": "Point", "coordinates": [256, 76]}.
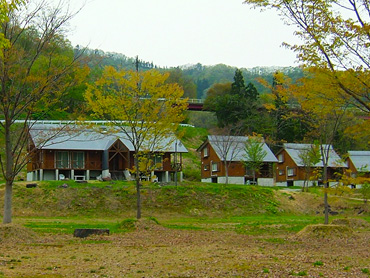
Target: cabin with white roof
{"type": "Point", "coordinates": [290, 169]}
{"type": "Point", "coordinates": [359, 164]}
{"type": "Point", "coordinates": [217, 148]}
{"type": "Point", "coordinates": [88, 153]}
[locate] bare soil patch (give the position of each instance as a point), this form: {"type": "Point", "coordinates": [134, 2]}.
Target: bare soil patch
{"type": "Point", "coordinates": [161, 252]}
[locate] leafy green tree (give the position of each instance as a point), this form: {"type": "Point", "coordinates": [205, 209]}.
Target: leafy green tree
{"type": "Point", "coordinates": [36, 67]}
{"type": "Point", "coordinates": [254, 154]}
{"type": "Point", "coordinates": [309, 157]}
{"type": "Point", "coordinates": [177, 76]}
{"type": "Point", "coordinates": [365, 191]}
{"type": "Point", "coordinates": [142, 106]}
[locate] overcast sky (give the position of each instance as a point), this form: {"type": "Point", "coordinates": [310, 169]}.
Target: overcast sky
{"type": "Point", "coordinates": [178, 32]}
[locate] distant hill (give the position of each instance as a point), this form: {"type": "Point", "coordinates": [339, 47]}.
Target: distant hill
{"type": "Point", "coordinates": [202, 76]}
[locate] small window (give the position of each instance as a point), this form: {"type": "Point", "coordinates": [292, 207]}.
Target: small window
{"type": "Point", "coordinates": [281, 158]}
{"type": "Point", "coordinates": [205, 152]}
{"type": "Point", "coordinates": [291, 172]}
{"type": "Point", "coordinates": [281, 172]}
{"type": "Point", "coordinates": [214, 167]}
{"type": "Point", "coordinates": [206, 167]}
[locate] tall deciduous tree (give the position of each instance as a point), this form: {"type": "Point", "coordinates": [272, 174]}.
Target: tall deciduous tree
{"type": "Point", "coordinates": [36, 66]}
{"type": "Point", "coordinates": [317, 96]}
{"type": "Point", "coordinates": [335, 36]}
{"type": "Point", "coordinates": [141, 105]}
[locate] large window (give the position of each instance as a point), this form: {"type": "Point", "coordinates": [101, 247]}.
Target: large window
{"type": "Point", "coordinates": [78, 160]}
{"type": "Point", "coordinates": [62, 160]}
{"type": "Point", "coordinates": [158, 162]}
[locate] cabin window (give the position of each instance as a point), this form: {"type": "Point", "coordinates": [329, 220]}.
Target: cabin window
{"type": "Point", "coordinates": [281, 158]}
{"type": "Point", "coordinates": [62, 160]}
{"type": "Point", "coordinates": [206, 167]}
{"type": "Point", "coordinates": [281, 172]}
{"type": "Point", "coordinates": [291, 172]}
{"type": "Point", "coordinates": [214, 167]}
{"type": "Point", "coordinates": [205, 152]}
{"type": "Point", "coordinates": [78, 160]}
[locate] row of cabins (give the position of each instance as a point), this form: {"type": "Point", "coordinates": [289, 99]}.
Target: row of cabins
{"type": "Point", "coordinates": [285, 168]}
{"type": "Point", "coordinates": [89, 154]}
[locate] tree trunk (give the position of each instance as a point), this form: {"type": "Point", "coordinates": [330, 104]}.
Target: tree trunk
{"type": "Point", "coordinates": [226, 173]}
{"type": "Point", "coordinates": [9, 176]}
{"type": "Point", "coordinates": [254, 177]}
{"type": "Point", "coordinates": [138, 195]}
{"type": "Point", "coordinates": [8, 203]}
{"type": "Point", "coordinates": [326, 186]}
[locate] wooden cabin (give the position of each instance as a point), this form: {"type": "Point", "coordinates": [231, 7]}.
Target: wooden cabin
{"type": "Point", "coordinates": [291, 171]}
{"type": "Point", "coordinates": [82, 153]}
{"type": "Point", "coordinates": [359, 164]}
{"type": "Point", "coordinates": [215, 150]}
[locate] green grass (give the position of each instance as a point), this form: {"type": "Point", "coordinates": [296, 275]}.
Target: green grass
{"type": "Point", "coordinates": [68, 225]}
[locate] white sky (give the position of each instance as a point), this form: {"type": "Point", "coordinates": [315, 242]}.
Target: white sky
{"type": "Point", "coordinates": [178, 32]}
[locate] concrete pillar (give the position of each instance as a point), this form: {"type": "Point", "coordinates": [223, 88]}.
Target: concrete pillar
{"type": "Point", "coordinates": [181, 176]}
{"type": "Point", "coordinates": [166, 177]}
{"type": "Point", "coordinates": [72, 174]}
{"type": "Point", "coordinates": [56, 174]}
{"type": "Point", "coordinates": [87, 175]}
{"type": "Point", "coordinates": [41, 175]}
{"type": "Point", "coordinates": [30, 176]}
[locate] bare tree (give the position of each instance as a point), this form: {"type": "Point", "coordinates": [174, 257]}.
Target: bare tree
{"type": "Point", "coordinates": [228, 146]}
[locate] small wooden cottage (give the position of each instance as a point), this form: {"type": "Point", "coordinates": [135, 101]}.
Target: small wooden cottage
{"type": "Point", "coordinates": [291, 170]}
{"type": "Point", "coordinates": [215, 150]}
{"type": "Point", "coordinates": [82, 153]}
{"type": "Point", "coordinates": [359, 164]}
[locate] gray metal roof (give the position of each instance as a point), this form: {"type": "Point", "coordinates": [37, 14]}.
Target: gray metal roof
{"type": "Point", "coordinates": [294, 151]}
{"type": "Point", "coordinates": [361, 160]}
{"type": "Point", "coordinates": [77, 137]}
{"type": "Point", "coordinates": [236, 145]}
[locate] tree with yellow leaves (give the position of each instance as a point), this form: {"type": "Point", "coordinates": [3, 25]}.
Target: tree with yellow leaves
{"type": "Point", "coordinates": [141, 105]}
{"type": "Point", "coordinates": [335, 36]}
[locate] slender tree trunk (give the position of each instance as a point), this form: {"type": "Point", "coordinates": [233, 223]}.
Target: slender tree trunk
{"type": "Point", "coordinates": [254, 177]}
{"type": "Point", "coordinates": [8, 203]}
{"type": "Point", "coordinates": [226, 173]}
{"type": "Point", "coordinates": [326, 186]}
{"type": "Point", "coordinates": [138, 194]}
{"type": "Point", "coordinates": [9, 177]}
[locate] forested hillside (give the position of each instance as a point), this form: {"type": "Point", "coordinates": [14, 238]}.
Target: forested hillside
{"type": "Point", "coordinates": [195, 79]}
